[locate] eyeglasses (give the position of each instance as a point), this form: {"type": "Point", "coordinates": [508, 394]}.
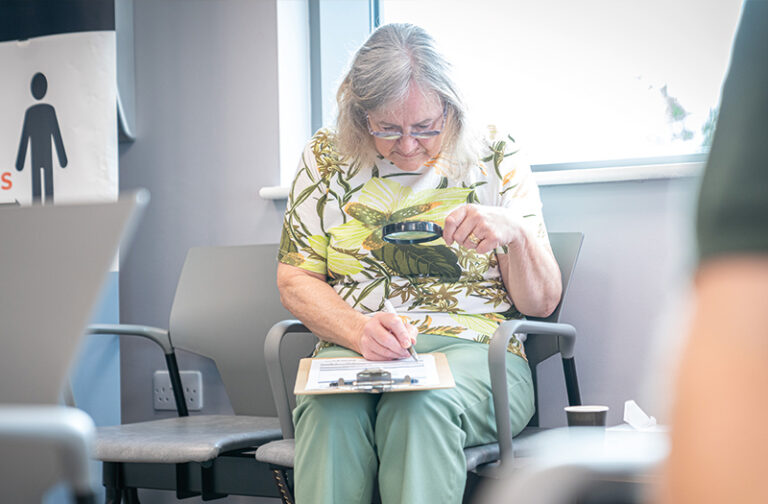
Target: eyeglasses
{"type": "Point", "coordinates": [397, 135]}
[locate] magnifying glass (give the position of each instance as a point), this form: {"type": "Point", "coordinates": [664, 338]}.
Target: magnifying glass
{"type": "Point", "coordinates": [411, 232]}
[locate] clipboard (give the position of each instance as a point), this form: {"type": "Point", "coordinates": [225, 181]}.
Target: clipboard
{"type": "Point", "coordinates": [369, 381]}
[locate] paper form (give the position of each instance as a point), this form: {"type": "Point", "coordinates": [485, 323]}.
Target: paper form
{"type": "Point", "coordinates": [326, 371]}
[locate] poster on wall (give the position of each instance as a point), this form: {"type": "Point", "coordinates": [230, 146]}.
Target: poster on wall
{"type": "Point", "coordinates": [58, 88]}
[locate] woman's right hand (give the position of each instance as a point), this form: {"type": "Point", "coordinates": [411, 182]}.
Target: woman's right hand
{"type": "Point", "coordinates": [386, 337]}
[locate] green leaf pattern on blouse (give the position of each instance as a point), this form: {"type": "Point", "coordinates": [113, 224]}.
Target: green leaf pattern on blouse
{"type": "Point", "coordinates": [333, 226]}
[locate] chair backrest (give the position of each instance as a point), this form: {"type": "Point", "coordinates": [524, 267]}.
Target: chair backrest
{"type": "Point", "coordinates": [566, 248]}
{"type": "Point", "coordinates": [226, 301]}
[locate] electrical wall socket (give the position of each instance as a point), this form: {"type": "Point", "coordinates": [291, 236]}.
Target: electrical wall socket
{"type": "Point", "coordinates": [162, 391]}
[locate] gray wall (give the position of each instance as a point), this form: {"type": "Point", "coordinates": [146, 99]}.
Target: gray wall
{"type": "Point", "coordinates": [206, 96]}
{"type": "Point", "coordinates": [206, 127]}
{"type": "Point", "coordinates": [626, 292]}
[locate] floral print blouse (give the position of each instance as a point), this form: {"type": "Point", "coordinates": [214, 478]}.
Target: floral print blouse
{"type": "Point", "coordinates": [333, 226]}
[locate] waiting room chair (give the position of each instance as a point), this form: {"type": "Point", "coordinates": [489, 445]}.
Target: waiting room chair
{"type": "Point", "coordinates": [225, 301]}
{"type": "Point", "coordinates": [544, 338]}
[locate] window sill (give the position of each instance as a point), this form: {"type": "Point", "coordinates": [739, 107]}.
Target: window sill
{"type": "Point", "coordinates": [619, 174]}
{"type": "Point", "coordinates": [576, 176]}
{"type": "Point", "coordinates": [274, 192]}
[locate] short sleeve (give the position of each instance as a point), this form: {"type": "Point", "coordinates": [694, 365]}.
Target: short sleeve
{"type": "Point", "coordinates": [733, 202]}
{"type": "Point", "coordinates": [303, 242]}
{"type": "Point", "coordinates": [516, 186]}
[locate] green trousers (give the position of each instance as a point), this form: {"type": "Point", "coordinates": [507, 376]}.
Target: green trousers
{"type": "Point", "coordinates": [413, 441]}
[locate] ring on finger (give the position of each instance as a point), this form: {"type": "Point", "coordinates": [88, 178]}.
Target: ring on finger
{"type": "Point", "coordinates": [473, 238]}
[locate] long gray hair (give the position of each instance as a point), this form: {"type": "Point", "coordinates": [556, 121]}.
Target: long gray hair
{"type": "Point", "coordinates": [393, 58]}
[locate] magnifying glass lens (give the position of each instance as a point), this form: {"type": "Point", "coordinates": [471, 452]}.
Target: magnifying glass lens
{"type": "Point", "coordinates": [411, 232]}
{"type": "Point", "coordinates": [411, 235]}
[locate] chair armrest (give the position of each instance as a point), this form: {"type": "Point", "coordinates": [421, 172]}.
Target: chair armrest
{"type": "Point", "coordinates": [159, 336]}
{"type": "Point", "coordinates": [162, 338]}
{"type": "Point", "coordinates": [275, 371]}
{"type": "Point", "coordinates": [69, 431]}
{"type": "Point", "coordinates": [497, 366]}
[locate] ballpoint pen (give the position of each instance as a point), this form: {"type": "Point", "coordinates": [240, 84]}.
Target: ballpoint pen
{"type": "Point", "coordinates": [391, 309]}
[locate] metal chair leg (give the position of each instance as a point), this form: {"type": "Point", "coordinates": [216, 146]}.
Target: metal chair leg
{"type": "Point", "coordinates": [207, 478]}
{"type": "Point", "coordinates": [113, 496]}
{"type": "Point", "coordinates": [88, 498]}
{"type": "Point", "coordinates": [112, 482]}
{"type": "Point", "coordinates": [281, 480]}
{"type": "Point", "coordinates": [131, 496]}
{"type": "Point", "coordinates": [571, 381]}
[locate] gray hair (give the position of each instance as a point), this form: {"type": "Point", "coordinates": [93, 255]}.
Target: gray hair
{"type": "Point", "coordinates": [393, 58]}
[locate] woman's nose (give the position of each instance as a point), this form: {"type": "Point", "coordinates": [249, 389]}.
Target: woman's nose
{"type": "Point", "coordinates": [408, 143]}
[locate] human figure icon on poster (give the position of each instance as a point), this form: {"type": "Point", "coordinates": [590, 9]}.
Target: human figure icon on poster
{"type": "Point", "coordinates": [40, 125]}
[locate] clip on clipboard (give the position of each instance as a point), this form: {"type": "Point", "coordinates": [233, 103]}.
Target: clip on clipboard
{"type": "Point", "coordinates": [356, 375]}
{"type": "Point", "coordinates": [374, 380]}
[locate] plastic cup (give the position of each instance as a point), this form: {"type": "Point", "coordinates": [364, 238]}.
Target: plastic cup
{"type": "Point", "coordinates": [586, 416]}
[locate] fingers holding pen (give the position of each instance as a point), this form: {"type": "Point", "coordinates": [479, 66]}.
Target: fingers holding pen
{"type": "Point", "coordinates": [382, 338]}
{"type": "Point", "coordinates": [375, 351]}
{"type": "Point", "coordinates": [386, 336]}
{"type": "Point", "coordinates": [399, 329]}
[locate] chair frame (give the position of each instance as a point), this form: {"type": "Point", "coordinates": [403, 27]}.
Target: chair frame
{"type": "Point", "coordinates": [189, 479]}
{"type": "Point", "coordinates": [231, 274]}
{"type": "Point", "coordinates": [545, 337]}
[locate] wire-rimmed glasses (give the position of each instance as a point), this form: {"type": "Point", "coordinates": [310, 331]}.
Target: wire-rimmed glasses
{"type": "Point", "coordinates": [397, 135]}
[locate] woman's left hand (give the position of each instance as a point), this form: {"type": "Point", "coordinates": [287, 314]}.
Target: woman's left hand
{"type": "Point", "coordinates": [481, 227]}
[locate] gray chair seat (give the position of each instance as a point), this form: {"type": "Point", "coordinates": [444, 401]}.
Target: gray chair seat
{"type": "Point", "coordinates": [184, 439]}
{"type": "Point", "coordinates": [225, 301]}
{"type": "Point", "coordinates": [483, 454]}
{"type": "Point", "coordinates": [281, 452]}
{"type": "Point", "coordinates": [278, 452]}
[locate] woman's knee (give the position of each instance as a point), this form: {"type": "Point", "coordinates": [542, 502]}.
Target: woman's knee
{"type": "Point", "coordinates": [333, 411]}
{"type": "Point", "coordinates": [428, 410]}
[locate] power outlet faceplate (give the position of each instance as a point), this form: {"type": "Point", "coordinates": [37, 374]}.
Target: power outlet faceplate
{"type": "Point", "coordinates": [162, 391]}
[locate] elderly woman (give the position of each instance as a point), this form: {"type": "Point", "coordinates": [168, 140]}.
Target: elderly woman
{"type": "Point", "coordinates": [402, 151]}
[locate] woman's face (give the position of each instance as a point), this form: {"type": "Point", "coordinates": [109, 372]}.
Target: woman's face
{"type": "Point", "coordinates": [418, 112]}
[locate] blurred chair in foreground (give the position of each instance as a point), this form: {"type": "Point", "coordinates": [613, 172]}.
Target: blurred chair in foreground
{"type": "Point", "coordinates": [41, 445]}
{"type": "Point", "coordinates": [54, 263]}
{"type": "Point", "coordinates": [584, 465]}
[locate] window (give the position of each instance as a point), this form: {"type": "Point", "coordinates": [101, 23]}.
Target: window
{"type": "Point", "coordinates": [316, 39]}
{"type": "Point", "coordinates": [580, 81]}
